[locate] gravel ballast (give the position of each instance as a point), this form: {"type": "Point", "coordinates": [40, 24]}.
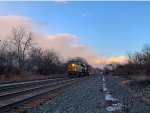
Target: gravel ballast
{"type": "Point", "coordinates": [88, 97]}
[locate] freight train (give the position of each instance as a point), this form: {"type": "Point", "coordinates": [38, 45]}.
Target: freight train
{"type": "Point", "coordinates": [76, 69]}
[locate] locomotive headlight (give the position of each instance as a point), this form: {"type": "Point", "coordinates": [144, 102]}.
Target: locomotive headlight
{"type": "Point", "coordinates": [73, 65]}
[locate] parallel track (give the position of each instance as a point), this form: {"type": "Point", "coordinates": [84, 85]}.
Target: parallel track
{"type": "Point", "coordinates": [15, 98]}
{"type": "Point", "coordinates": [8, 86]}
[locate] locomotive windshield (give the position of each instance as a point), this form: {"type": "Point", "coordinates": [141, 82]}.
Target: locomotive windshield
{"type": "Point", "coordinates": [74, 62]}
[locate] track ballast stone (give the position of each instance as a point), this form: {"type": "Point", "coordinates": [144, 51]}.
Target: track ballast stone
{"type": "Point", "coordinates": [87, 97]}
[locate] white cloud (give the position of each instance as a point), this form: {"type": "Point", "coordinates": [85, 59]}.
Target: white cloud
{"type": "Point", "coordinates": [118, 59]}
{"type": "Point", "coordinates": [63, 42]}
{"type": "Point", "coordinates": [7, 22]}
{"type": "Point", "coordinates": [60, 1]}
{"type": "Point", "coordinates": [85, 14]}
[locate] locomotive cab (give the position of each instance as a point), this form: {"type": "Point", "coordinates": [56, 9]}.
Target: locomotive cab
{"type": "Point", "coordinates": [74, 69]}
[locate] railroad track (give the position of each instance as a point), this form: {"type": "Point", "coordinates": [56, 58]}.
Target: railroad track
{"type": "Point", "coordinates": [12, 85]}
{"type": "Point", "coordinates": [18, 93]}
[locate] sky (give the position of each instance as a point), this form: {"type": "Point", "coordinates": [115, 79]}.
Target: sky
{"type": "Point", "coordinates": [99, 31]}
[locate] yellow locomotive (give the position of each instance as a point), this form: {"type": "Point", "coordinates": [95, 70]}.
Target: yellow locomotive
{"type": "Point", "coordinates": [76, 68]}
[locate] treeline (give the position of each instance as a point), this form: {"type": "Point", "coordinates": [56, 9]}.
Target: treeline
{"type": "Point", "coordinates": [19, 54]}
{"type": "Point", "coordinates": [138, 64]}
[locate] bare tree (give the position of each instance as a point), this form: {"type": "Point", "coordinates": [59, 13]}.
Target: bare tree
{"type": "Point", "coordinates": [3, 51]}
{"type": "Point", "coordinates": [146, 59]}
{"type": "Point", "coordinates": [81, 59]}
{"type": "Point", "coordinates": [146, 53]}
{"type": "Point", "coordinates": [35, 59]}
{"type": "Point", "coordinates": [21, 41]}
{"type": "Point", "coordinates": [45, 62]}
{"type": "Point", "coordinates": [113, 65]}
{"type": "Point", "coordinates": [51, 62]}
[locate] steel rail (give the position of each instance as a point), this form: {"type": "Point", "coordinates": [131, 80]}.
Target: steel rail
{"type": "Point", "coordinates": [24, 84]}
{"type": "Point", "coordinates": [3, 108]}
{"type": "Point", "coordinates": [11, 82]}
{"type": "Point", "coordinates": [8, 95]}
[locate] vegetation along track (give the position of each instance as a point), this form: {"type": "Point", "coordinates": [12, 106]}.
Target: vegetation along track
{"type": "Point", "coordinates": [18, 93]}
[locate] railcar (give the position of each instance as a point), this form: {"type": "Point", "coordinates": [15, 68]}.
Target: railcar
{"type": "Point", "coordinates": [76, 69]}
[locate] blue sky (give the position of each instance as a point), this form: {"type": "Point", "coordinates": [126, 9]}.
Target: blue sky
{"type": "Point", "coordinates": [109, 28]}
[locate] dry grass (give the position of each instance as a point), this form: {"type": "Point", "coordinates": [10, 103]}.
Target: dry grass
{"type": "Point", "coordinates": [139, 87]}
{"type": "Point", "coordinates": [26, 77]}
{"type": "Point", "coordinates": [126, 82]}
{"type": "Point", "coordinates": [2, 78]}
{"type": "Point", "coordinates": [139, 78]}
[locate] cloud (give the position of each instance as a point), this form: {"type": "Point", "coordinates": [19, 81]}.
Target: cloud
{"type": "Point", "coordinates": [42, 23]}
{"type": "Point", "coordinates": [65, 43]}
{"type": "Point", "coordinates": [119, 59]}
{"type": "Point", "coordinates": [85, 14]}
{"type": "Point", "coordinates": [60, 1]}
{"type": "Point", "coordinates": [7, 22]}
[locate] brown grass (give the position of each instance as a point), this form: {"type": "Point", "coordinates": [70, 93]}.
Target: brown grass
{"type": "Point", "coordinates": [26, 77]}
{"type": "Point", "coordinates": [139, 87]}
{"type": "Point", "coordinates": [139, 78]}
